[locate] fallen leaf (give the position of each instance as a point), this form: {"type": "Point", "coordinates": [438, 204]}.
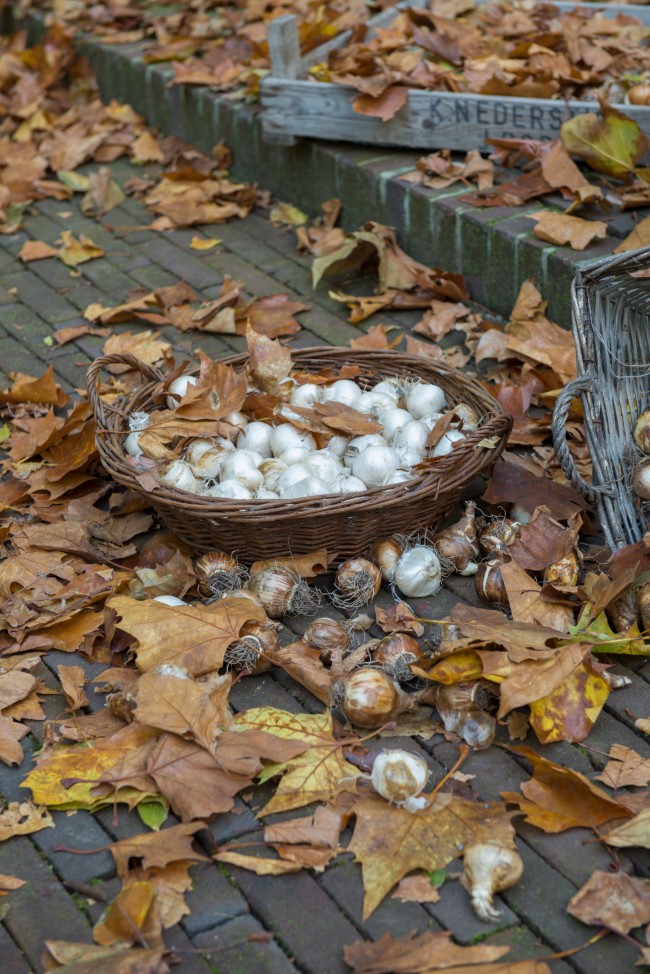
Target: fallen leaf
{"type": "Point", "coordinates": [93, 959]}
{"type": "Point", "coordinates": [570, 711]}
{"type": "Point", "coordinates": [319, 774]}
{"type": "Point", "coordinates": [22, 818]}
{"type": "Point", "coordinates": [398, 618]}
{"type": "Point", "coordinates": [125, 918]}
{"type": "Point", "coordinates": [638, 237]}
{"type": "Point", "coordinates": [612, 143]}
{"type": "Point", "coordinates": [157, 849]}
{"type": "Point", "coordinates": [390, 842]}
{"type": "Point", "coordinates": [428, 952]}
{"type": "Point", "coordinates": [385, 106]}
{"type": "Point", "coordinates": [201, 243]}
{"type": "Point", "coordinates": [307, 566]}
{"type": "Point", "coordinates": [72, 683]}
{"type": "Point", "coordinates": [636, 832]}
{"type": "Point", "coordinates": [269, 362]}
{"type": "Point", "coordinates": [36, 250]}
{"type": "Point", "coordinates": [285, 214]}
{"type": "Point", "coordinates": [257, 864]}
{"type": "Point", "coordinates": [417, 888]}
{"type": "Point", "coordinates": [194, 637]}
{"type": "Point", "coordinates": [625, 768]}
{"type": "Point", "coordinates": [560, 229]}
{"type": "Point", "coordinates": [77, 251]}
{"type": "Point", "coordinates": [613, 900]}
{"type": "Point", "coordinates": [102, 195]}
{"type": "Point", "coordinates": [43, 390]}
{"type": "Point", "coordinates": [9, 883]}
{"type": "Point", "coordinates": [557, 798]}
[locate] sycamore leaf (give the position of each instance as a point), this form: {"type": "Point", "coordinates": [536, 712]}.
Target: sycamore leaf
{"type": "Point", "coordinates": [527, 603]}
{"type": "Point", "coordinates": [181, 705]}
{"type": "Point", "coordinates": [638, 237]}
{"type": "Point", "coordinates": [318, 774]}
{"type": "Point", "coordinates": [398, 618]}
{"type": "Point", "coordinates": [625, 768]}
{"type": "Point", "coordinates": [103, 193]}
{"type": "Point", "coordinates": [612, 144]}
{"type": "Point", "coordinates": [269, 362]}
{"type": "Point", "coordinates": [428, 952]}
{"type": "Point", "coordinates": [613, 900]}
{"type": "Point", "coordinates": [307, 566]}
{"type": "Point", "coordinates": [560, 229]}
{"type": "Point", "coordinates": [77, 251]}
{"type": "Point", "coordinates": [43, 390]}
{"type": "Point", "coordinates": [72, 683]}
{"type": "Point", "coordinates": [21, 818]}
{"type": "Point", "coordinates": [557, 798]}
{"type": "Point", "coordinates": [390, 842]}
{"type": "Point", "coordinates": [303, 663]}
{"type": "Point", "coordinates": [636, 832]}
{"type": "Point", "coordinates": [36, 250]}
{"type": "Point", "coordinates": [195, 637]}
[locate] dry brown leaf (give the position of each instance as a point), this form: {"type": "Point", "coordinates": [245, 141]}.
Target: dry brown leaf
{"type": "Point", "coordinates": [125, 918]}
{"type": "Point", "coordinates": [195, 637]}
{"type": "Point", "coordinates": [257, 864]}
{"type": "Point", "coordinates": [303, 663]}
{"type": "Point", "coordinates": [157, 849]}
{"type": "Point", "coordinates": [385, 106]}
{"type": "Point", "coordinates": [428, 952]}
{"type": "Point", "coordinates": [9, 883]}
{"type": "Point", "coordinates": [560, 229]}
{"type": "Point", "coordinates": [43, 390]}
{"type": "Point", "coordinates": [527, 603]}
{"type": "Point", "coordinates": [613, 900]}
{"type": "Point", "coordinates": [180, 705]}
{"type": "Point", "coordinates": [398, 618]}
{"type": "Point", "coordinates": [636, 832]}
{"type": "Point", "coordinates": [36, 250]}
{"type": "Point", "coordinates": [72, 683]}
{"type": "Point", "coordinates": [417, 888]}
{"type": "Point", "coordinates": [307, 566]}
{"type": "Point", "coordinates": [625, 768]}
{"type": "Point", "coordinates": [557, 798]}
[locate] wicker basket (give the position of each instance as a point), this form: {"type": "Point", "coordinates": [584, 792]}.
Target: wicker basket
{"type": "Point", "coordinates": [344, 524]}
{"type": "Point", "coordinates": [611, 329]}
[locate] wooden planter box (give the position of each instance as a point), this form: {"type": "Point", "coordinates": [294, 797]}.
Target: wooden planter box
{"type": "Point", "coordinates": [295, 107]}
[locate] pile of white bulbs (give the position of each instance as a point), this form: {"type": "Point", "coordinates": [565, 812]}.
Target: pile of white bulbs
{"type": "Point", "coordinates": [280, 462]}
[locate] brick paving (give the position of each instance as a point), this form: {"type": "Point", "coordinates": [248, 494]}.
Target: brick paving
{"type": "Point", "coordinates": [308, 916]}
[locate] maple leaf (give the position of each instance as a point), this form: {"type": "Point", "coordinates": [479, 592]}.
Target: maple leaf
{"type": "Point", "coordinates": [390, 842]}
{"type": "Point", "coordinates": [318, 774]}
{"type": "Point", "coordinates": [557, 798]}
{"type": "Point", "coordinates": [428, 952]}
{"type": "Point", "coordinates": [385, 106]}
{"type": "Point", "coordinates": [307, 566]}
{"type": "Point", "coordinates": [195, 637]}
{"type": "Point", "coordinates": [77, 251]}
{"type": "Point", "coordinates": [613, 900]}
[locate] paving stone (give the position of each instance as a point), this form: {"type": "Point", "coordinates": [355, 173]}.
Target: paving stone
{"type": "Point", "coordinates": [344, 885]}
{"type": "Point", "coordinates": [14, 960]}
{"type": "Point", "coordinates": [454, 911]}
{"type": "Point", "coordinates": [41, 909]}
{"type": "Point", "coordinates": [525, 946]}
{"type": "Point", "coordinates": [313, 934]}
{"type": "Point", "coordinates": [230, 950]}
{"type": "Point", "coordinates": [212, 900]}
{"type": "Point", "coordinates": [187, 956]}
{"type": "Point", "coordinates": [239, 821]}
{"type": "Point", "coordinates": [78, 831]}
{"type": "Point", "coordinates": [36, 294]}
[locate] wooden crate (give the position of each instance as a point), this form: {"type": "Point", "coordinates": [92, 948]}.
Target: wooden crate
{"type": "Point", "coordinates": [295, 107]}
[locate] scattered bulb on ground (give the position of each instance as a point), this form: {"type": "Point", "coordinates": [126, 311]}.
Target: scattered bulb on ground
{"type": "Point", "coordinates": [399, 776]}
{"type": "Point", "coordinates": [489, 868]}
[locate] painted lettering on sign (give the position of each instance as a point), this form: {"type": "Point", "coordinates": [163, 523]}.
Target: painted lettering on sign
{"type": "Point", "coordinates": [516, 116]}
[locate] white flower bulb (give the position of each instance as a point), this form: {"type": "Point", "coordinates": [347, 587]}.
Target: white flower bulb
{"type": "Point", "coordinates": [418, 572]}
{"type": "Point", "coordinates": [423, 399]}
{"type": "Point", "coordinates": [178, 389]}
{"type": "Point", "coordinates": [446, 443]}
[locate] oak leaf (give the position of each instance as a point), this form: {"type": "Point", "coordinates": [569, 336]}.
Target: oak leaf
{"type": "Point", "coordinates": [613, 900]}
{"type": "Point", "coordinates": [558, 798]}
{"type": "Point", "coordinates": [390, 842]}
{"type": "Point", "coordinates": [194, 637]}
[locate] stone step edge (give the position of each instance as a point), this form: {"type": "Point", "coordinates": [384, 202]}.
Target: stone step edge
{"type": "Point", "coordinates": [494, 248]}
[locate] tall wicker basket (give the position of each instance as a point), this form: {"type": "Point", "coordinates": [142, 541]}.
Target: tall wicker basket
{"type": "Point", "coordinates": [611, 328]}
{"type": "Point", "coordinates": [345, 524]}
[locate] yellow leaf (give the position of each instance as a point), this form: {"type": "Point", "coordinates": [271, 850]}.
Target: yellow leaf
{"type": "Point", "coordinates": [75, 251]}
{"type": "Point", "coordinates": [456, 668]}
{"type": "Point", "coordinates": [612, 144]}
{"type": "Point", "coordinates": [8, 883]}
{"type": "Point", "coordinates": [570, 711]}
{"type": "Point", "coordinates": [124, 919]}
{"type": "Point", "coordinates": [200, 243]}
{"type": "Point", "coordinates": [636, 832]}
{"type": "Point", "coordinates": [284, 214]}
{"type": "Point", "coordinates": [319, 774]}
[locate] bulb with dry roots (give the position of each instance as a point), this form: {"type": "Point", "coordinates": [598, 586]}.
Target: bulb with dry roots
{"type": "Point", "coordinates": [395, 654]}
{"type": "Point", "coordinates": [282, 592]}
{"type": "Point", "coordinates": [399, 777]}
{"type": "Point", "coordinates": [369, 698]}
{"type": "Point", "coordinates": [253, 651]}
{"type": "Point", "coordinates": [217, 573]}
{"type": "Point", "coordinates": [357, 582]}
{"type": "Point", "coordinates": [489, 868]}
{"type": "Point", "coordinates": [458, 544]}
{"type": "Point", "coordinates": [327, 636]}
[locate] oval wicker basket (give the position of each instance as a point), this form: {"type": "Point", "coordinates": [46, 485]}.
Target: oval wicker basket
{"type": "Point", "coordinates": [344, 524]}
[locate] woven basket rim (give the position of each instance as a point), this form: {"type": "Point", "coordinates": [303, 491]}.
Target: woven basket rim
{"type": "Point", "coordinates": [112, 420]}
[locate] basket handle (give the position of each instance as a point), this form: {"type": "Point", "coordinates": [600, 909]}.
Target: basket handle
{"type": "Point", "coordinates": [560, 414]}
{"type": "Point", "coordinates": [94, 372]}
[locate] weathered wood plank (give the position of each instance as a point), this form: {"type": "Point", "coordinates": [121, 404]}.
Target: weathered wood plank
{"type": "Point", "coordinates": [284, 47]}
{"type": "Point", "coordinates": [429, 120]}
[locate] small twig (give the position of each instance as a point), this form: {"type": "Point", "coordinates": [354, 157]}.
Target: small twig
{"type": "Point", "coordinates": [464, 751]}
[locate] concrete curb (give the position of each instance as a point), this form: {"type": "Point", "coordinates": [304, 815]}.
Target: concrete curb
{"type": "Point", "coordinates": [494, 247]}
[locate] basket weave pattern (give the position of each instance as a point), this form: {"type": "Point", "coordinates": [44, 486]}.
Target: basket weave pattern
{"type": "Point", "coordinates": [611, 329]}
{"type": "Point", "coordinates": [345, 524]}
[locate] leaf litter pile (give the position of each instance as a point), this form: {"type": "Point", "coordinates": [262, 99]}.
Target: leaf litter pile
{"type": "Point", "coordinates": [87, 572]}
